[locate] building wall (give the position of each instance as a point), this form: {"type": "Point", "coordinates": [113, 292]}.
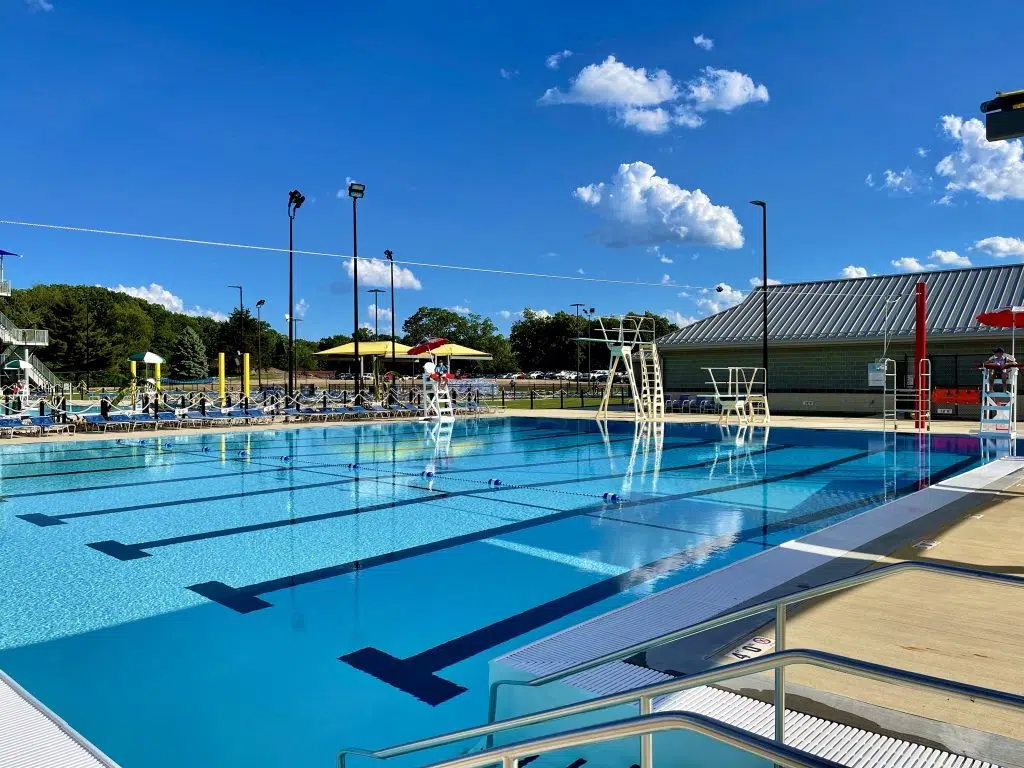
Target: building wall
{"type": "Point", "coordinates": [826, 367]}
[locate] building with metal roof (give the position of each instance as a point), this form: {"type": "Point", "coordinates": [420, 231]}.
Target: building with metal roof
{"type": "Point", "coordinates": [823, 334]}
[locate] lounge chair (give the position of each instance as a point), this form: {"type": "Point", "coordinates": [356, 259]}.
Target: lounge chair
{"type": "Point", "coordinates": [120, 421]}
{"type": "Point", "coordinates": [193, 419]}
{"type": "Point", "coordinates": [8, 424]}
{"type": "Point", "coordinates": [218, 417]}
{"type": "Point", "coordinates": [379, 411]}
{"type": "Point", "coordinates": [144, 420]}
{"type": "Point", "coordinates": [46, 425]}
{"type": "Point", "coordinates": [166, 418]}
{"type": "Point", "coordinates": [95, 422]}
{"type": "Point", "coordinates": [359, 411]}
{"type": "Point", "coordinates": [337, 412]}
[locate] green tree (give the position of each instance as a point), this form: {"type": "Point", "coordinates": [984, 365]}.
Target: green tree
{"type": "Point", "coordinates": [188, 358]}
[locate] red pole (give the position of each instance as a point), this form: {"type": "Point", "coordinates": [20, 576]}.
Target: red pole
{"type": "Point", "coordinates": [920, 351]}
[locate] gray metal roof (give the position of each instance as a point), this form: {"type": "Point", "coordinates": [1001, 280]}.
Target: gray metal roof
{"type": "Point", "coordinates": [861, 309]}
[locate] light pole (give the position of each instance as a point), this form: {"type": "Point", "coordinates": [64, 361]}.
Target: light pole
{"type": "Point", "coordinates": [356, 191]}
{"type": "Point", "coordinates": [295, 201]}
{"type": "Point", "coordinates": [578, 306]}
{"type": "Point", "coordinates": [259, 345]}
{"type": "Point", "coordinates": [291, 325]}
{"type": "Point", "coordinates": [590, 335]}
{"type": "Point", "coordinates": [376, 310]}
{"type": "Point", "coordinates": [389, 254]}
{"type": "Point", "coordinates": [241, 327]}
{"type": "Point", "coordinates": [764, 285]}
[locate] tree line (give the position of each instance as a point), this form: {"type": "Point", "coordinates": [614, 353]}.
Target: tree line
{"type": "Point", "coordinates": [93, 330]}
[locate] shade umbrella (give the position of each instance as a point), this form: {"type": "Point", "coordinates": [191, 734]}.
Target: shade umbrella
{"type": "Point", "coordinates": [149, 358]}
{"type": "Point", "coordinates": [366, 349]}
{"type": "Point", "coordinates": [428, 346]}
{"type": "Point", "coordinates": [1005, 317]}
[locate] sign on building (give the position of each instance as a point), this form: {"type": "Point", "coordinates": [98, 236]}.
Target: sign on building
{"type": "Point", "coordinates": [876, 374]}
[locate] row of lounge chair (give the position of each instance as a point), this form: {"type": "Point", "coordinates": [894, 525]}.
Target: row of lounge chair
{"type": "Point", "coordinates": [32, 425]}
{"type": "Point", "coordinates": [691, 404]}
{"type": "Point", "coordinates": [131, 421]}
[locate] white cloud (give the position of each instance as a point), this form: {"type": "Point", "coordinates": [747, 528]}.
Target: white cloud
{"type": "Point", "coordinates": [508, 74]}
{"type": "Point", "coordinates": [666, 279]}
{"type": "Point", "coordinates": [552, 61]}
{"type": "Point", "coordinates": [1000, 247]}
{"type": "Point", "coordinates": [723, 297]}
{"type": "Point", "coordinates": [909, 264]}
{"type": "Point", "coordinates": [646, 209]}
{"type": "Point", "coordinates": [704, 42]}
{"type": "Point", "coordinates": [653, 102]}
{"type": "Point", "coordinates": [755, 282]}
{"type": "Point", "coordinates": [342, 193]}
{"type": "Point", "coordinates": [869, 180]}
{"type": "Point", "coordinates": [580, 271]}
{"type": "Point", "coordinates": [155, 293]}
{"type": "Point", "coordinates": [301, 308]}
{"type": "Point", "coordinates": [945, 200]}
{"type": "Point", "coordinates": [39, 5]}
{"type": "Point", "coordinates": [665, 260]}
{"type": "Point", "coordinates": [724, 90]}
{"type": "Point", "coordinates": [899, 181]}
{"type": "Point", "coordinates": [922, 152]}
{"type": "Point", "coordinates": [508, 314]}
{"type": "Point", "coordinates": [850, 272]}
{"type": "Point", "coordinates": [950, 258]}
{"type": "Point", "coordinates": [993, 170]}
{"type": "Point", "coordinates": [678, 318]}
{"type": "Point", "coordinates": [380, 313]}
{"type": "Point", "coordinates": [460, 309]}
{"type": "Point", "coordinates": [612, 84]}
{"type": "Point", "coordinates": [541, 313]}
{"type": "Point", "coordinates": [656, 120]}
{"type": "Point", "coordinates": [377, 274]}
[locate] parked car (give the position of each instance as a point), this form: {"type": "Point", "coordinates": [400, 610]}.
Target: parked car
{"type": "Point", "coordinates": [598, 375]}
{"type": "Point", "coordinates": [537, 374]}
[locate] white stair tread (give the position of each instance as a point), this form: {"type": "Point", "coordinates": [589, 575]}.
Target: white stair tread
{"type": "Point", "coordinates": [32, 736]}
{"type": "Point", "coordinates": [823, 738]}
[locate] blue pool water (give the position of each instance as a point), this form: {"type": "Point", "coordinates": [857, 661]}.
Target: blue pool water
{"type": "Point", "coordinates": [258, 600]}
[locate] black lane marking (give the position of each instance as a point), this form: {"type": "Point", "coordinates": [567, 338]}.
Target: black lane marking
{"type": "Point", "coordinates": [246, 599]}
{"type": "Point", "coordinates": [124, 551]}
{"type": "Point", "coordinates": [417, 676]}
{"type": "Point", "coordinates": [43, 520]}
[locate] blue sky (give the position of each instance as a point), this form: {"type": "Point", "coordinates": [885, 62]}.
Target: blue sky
{"type": "Point", "coordinates": [852, 121]}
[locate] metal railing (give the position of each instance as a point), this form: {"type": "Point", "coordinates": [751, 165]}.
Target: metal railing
{"type": "Point", "coordinates": [644, 698]}
{"type": "Point", "coordinates": [10, 333]}
{"type": "Point", "coordinates": [777, 605]}
{"type": "Point", "coordinates": [645, 726]}
{"type": "Point", "coordinates": [5, 287]}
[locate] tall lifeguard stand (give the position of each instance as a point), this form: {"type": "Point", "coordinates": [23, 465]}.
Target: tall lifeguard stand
{"type": "Point", "coordinates": [998, 401]}
{"type": "Point", "coordinates": [743, 393]}
{"type": "Point", "coordinates": [625, 337]}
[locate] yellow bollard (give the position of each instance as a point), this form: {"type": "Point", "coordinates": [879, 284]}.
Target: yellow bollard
{"type": "Point", "coordinates": [156, 378]}
{"type": "Point", "coordinates": [135, 383]}
{"type": "Point", "coordinates": [220, 378]}
{"type": "Point", "coordinates": [245, 374]}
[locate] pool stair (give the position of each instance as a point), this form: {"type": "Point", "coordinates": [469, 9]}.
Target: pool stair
{"type": "Point", "coordinates": [32, 736]}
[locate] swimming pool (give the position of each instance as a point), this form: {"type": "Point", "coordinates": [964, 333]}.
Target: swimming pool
{"type": "Point", "coordinates": [263, 599]}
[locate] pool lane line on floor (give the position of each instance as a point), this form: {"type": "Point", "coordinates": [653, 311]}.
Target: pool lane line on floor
{"type": "Point", "coordinates": [416, 675]}
{"type": "Point", "coordinates": [123, 551]}
{"type": "Point", "coordinates": [247, 599]}
{"type": "Point", "coordinates": [196, 450]}
{"type": "Point", "coordinates": [45, 520]}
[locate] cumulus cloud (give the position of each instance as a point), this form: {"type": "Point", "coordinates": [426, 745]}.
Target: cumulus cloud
{"type": "Point", "coordinates": [993, 170]}
{"type": "Point", "coordinates": [612, 84]}
{"type": "Point", "coordinates": [646, 209]}
{"type": "Point", "coordinates": [552, 61]}
{"type": "Point", "coordinates": [378, 313]}
{"type": "Point", "coordinates": [869, 180]}
{"type": "Point", "coordinates": [1000, 247]}
{"type": "Point", "coordinates": [376, 273]}
{"type": "Point", "coordinates": [666, 279]}
{"type": "Point", "coordinates": [909, 264]}
{"type": "Point", "coordinates": [678, 318]}
{"type": "Point", "coordinates": [541, 313]}
{"type": "Point", "coordinates": [922, 152]}
{"type": "Point", "coordinates": [850, 272]}
{"type": "Point", "coordinates": [665, 259]}
{"type": "Point", "coordinates": [899, 181]}
{"type": "Point", "coordinates": [301, 308]}
{"type": "Point", "coordinates": [155, 293]}
{"type": "Point", "coordinates": [723, 297]}
{"type": "Point", "coordinates": [460, 309]}
{"type": "Point", "coordinates": [39, 5]}
{"type": "Point", "coordinates": [704, 42]}
{"type": "Point", "coordinates": [507, 74]}
{"type": "Point", "coordinates": [652, 102]}
{"type": "Point", "coordinates": [724, 90]}
{"type": "Point", "coordinates": [755, 282]}
{"type": "Point", "coordinates": [949, 258]}
{"type": "Point", "coordinates": [508, 314]}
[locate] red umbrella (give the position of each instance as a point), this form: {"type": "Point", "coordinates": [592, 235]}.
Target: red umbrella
{"type": "Point", "coordinates": [1006, 317]}
{"type": "Point", "coordinates": [426, 345]}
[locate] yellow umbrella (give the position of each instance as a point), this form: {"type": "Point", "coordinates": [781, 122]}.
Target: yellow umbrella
{"type": "Point", "coordinates": [459, 352]}
{"type": "Point", "coordinates": [367, 349]}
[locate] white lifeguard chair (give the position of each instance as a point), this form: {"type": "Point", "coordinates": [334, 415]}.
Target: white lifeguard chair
{"type": "Point", "coordinates": [743, 393]}
{"type": "Point", "coordinates": [437, 396]}
{"type": "Point", "coordinates": [998, 402]}
{"type": "Point", "coordinates": [625, 337]}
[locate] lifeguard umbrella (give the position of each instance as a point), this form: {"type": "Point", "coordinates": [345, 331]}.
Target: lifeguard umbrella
{"type": "Point", "coordinates": [1006, 317]}
{"type": "Point", "coordinates": [428, 346]}
{"type": "Point", "coordinates": [149, 358]}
